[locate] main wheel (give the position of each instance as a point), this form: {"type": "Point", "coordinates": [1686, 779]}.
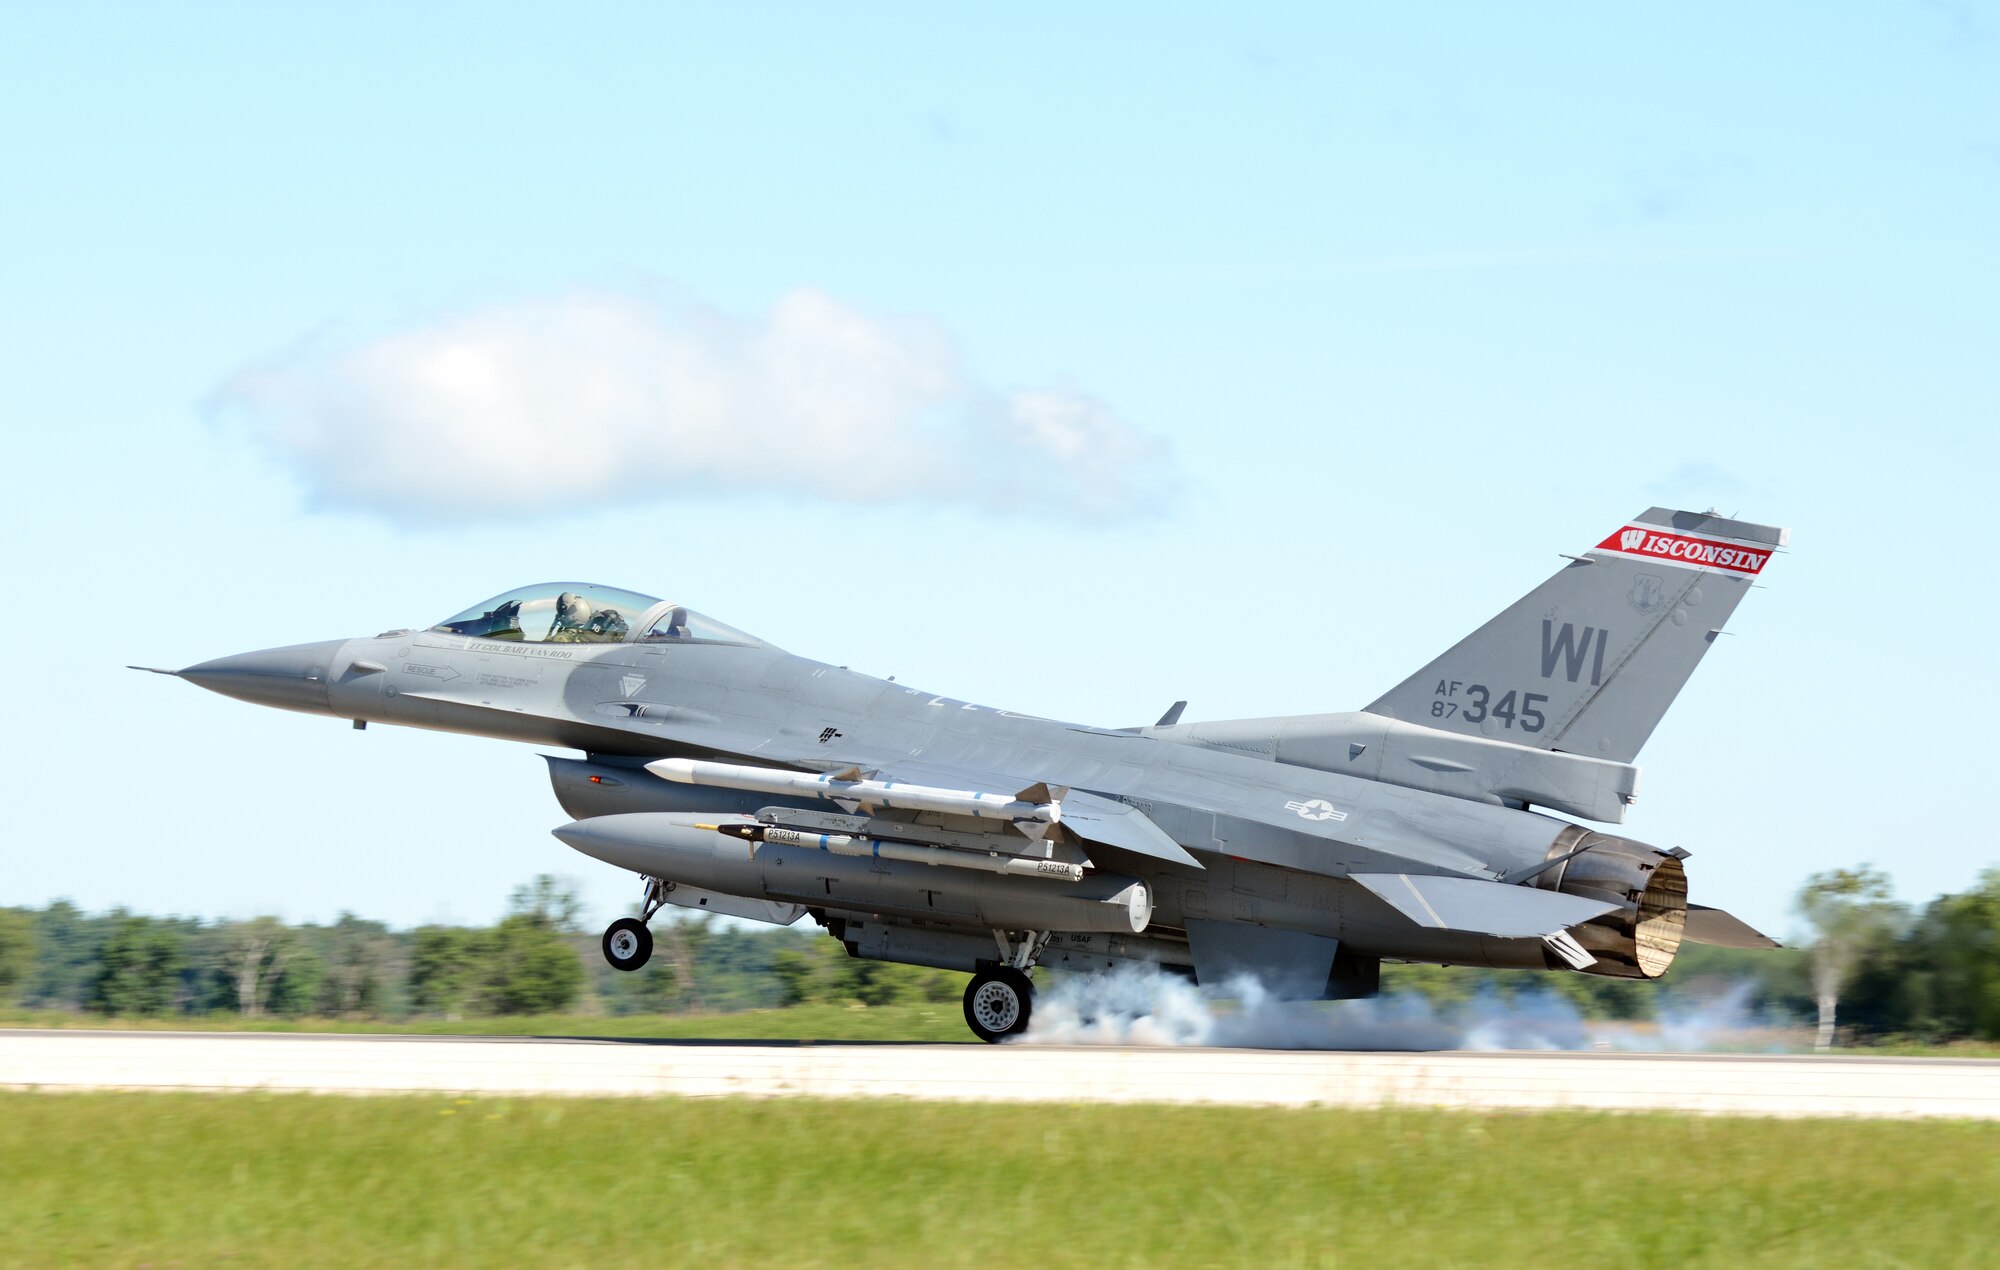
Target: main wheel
{"type": "Point", "coordinates": [628, 945]}
{"type": "Point", "coordinates": [997, 1004]}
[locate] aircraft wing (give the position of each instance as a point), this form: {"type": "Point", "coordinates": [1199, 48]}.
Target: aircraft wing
{"type": "Point", "coordinates": [1097, 819]}
{"type": "Point", "coordinates": [1500, 909]}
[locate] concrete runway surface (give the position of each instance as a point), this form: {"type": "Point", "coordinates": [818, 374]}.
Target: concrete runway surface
{"type": "Point", "coordinates": [1773, 1085]}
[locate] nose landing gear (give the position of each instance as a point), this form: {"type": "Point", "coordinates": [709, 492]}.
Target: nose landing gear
{"type": "Point", "coordinates": [628, 942]}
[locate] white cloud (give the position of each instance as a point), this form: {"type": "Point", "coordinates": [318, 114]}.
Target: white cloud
{"type": "Point", "coordinates": [545, 405]}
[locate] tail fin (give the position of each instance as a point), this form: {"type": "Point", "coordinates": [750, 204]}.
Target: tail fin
{"type": "Point", "coordinates": [1589, 661]}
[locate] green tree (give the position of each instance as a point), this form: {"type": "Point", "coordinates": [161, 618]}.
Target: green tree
{"type": "Point", "coordinates": [297, 989]}
{"type": "Point", "coordinates": [1941, 981]}
{"type": "Point", "coordinates": [1852, 918]}
{"type": "Point", "coordinates": [444, 968]}
{"type": "Point", "coordinates": [678, 944]}
{"type": "Point", "coordinates": [252, 956]}
{"type": "Point", "coordinates": [652, 989]}
{"type": "Point", "coordinates": [1966, 957]}
{"type": "Point", "coordinates": [360, 960]}
{"type": "Point", "coordinates": [139, 968]}
{"type": "Point", "coordinates": [17, 953]}
{"type": "Point", "coordinates": [529, 967]}
{"type": "Point", "coordinates": [550, 899]}
{"type": "Point", "coordinates": [66, 956]}
{"type": "Point", "coordinates": [810, 974]}
{"type": "Point", "coordinates": [820, 971]}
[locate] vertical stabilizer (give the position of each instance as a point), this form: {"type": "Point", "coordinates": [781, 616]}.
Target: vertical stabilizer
{"type": "Point", "coordinates": [1589, 661]}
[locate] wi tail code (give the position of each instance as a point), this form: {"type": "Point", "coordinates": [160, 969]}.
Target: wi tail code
{"type": "Point", "coordinates": [1573, 651]}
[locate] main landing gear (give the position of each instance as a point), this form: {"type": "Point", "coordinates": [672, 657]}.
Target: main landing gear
{"type": "Point", "coordinates": [628, 942]}
{"type": "Point", "coordinates": [998, 1001]}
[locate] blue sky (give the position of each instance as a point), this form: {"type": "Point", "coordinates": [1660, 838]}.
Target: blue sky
{"type": "Point", "coordinates": [1248, 357]}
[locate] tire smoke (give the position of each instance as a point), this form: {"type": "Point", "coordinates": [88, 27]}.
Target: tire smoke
{"type": "Point", "coordinates": [1141, 1005]}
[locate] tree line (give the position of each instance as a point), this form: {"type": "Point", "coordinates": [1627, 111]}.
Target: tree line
{"type": "Point", "coordinates": [1880, 967]}
{"type": "Point", "coordinates": [537, 959]}
{"type": "Point", "coordinates": [1874, 968]}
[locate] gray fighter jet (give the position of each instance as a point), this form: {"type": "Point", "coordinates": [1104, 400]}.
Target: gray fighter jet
{"type": "Point", "coordinates": [736, 778]}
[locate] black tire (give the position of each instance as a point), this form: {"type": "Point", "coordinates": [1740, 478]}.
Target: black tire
{"type": "Point", "coordinates": [998, 1003]}
{"type": "Point", "coordinates": [628, 945]}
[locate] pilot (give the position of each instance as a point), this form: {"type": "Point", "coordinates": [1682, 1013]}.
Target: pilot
{"type": "Point", "coordinates": [572, 619]}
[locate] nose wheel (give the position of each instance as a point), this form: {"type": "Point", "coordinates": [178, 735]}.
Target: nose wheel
{"type": "Point", "coordinates": [998, 1002]}
{"type": "Point", "coordinates": [628, 944]}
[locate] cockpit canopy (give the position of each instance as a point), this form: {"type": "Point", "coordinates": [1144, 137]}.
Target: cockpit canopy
{"type": "Point", "coordinates": [585, 613]}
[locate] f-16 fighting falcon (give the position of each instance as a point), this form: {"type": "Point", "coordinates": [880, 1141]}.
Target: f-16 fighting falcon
{"type": "Point", "coordinates": [733, 777]}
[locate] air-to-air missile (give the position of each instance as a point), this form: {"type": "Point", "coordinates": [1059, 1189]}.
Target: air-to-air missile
{"type": "Point", "coordinates": [1041, 810]}
{"type": "Point", "coordinates": [913, 853]}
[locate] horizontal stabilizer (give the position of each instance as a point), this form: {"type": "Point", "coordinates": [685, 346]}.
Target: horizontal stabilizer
{"type": "Point", "coordinates": [1116, 825]}
{"type": "Point", "coordinates": [1713, 926]}
{"type": "Point", "coordinates": [1480, 907]}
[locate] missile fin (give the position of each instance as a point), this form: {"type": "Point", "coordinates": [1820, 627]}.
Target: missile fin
{"type": "Point", "coordinates": [1043, 792]}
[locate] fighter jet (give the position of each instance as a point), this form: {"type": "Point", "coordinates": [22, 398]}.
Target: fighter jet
{"type": "Point", "coordinates": [1439, 824]}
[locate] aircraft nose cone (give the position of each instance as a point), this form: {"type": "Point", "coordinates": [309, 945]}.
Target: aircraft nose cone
{"type": "Point", "coordinates": [292, 678]}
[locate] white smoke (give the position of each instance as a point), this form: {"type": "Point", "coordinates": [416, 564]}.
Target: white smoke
{"type": "Point", "coordinates": [1141, 1005]}
{"type": "Point", "coordinates": [568, 402]}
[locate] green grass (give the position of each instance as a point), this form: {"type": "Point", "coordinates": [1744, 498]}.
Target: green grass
{"type": "Point", "coordinates": [942, 1021]}
{"type": "Point", "coordinates": [281, 1180]}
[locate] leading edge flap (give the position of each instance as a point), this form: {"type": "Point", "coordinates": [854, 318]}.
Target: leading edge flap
{"type": "Point", "coordinates": [1116, 825]}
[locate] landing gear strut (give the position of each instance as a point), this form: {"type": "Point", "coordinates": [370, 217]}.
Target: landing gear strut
{"type": "Point", "coordinates": [997, 1003]}
{"type": "Point", "coordinates": [628, 942]}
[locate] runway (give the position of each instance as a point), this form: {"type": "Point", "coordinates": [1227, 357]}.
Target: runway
{"type": "Point", "coordinates": [1761, 1085]}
